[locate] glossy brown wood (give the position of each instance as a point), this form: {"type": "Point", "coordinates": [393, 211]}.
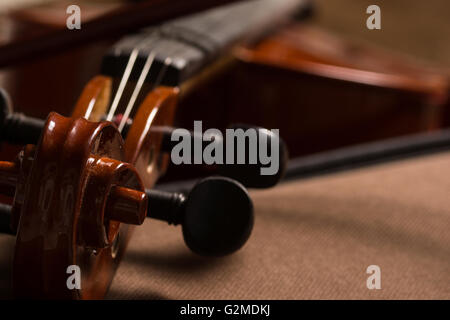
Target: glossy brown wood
{"type": "Point", "coordinates": [324, 92]}
{"type": "Point", "coordinates": [126, 205]}
{"type": "Point", "coordinates": [94, 100]}
{"type": "Point", "coordinates": [328, 90]}
{"type": "Point", "coordinates": [63, 219]}
{"type": "Point", "coordinates": [305, 49]}
{"type": "Point", "coordinates": [80, 197]}
{"type": "Point", "coordinates": [78, 190]}
{"type": "Point", "coordinates": [321, 91]}
{"type": "Point", "coordinates": [143, 142]}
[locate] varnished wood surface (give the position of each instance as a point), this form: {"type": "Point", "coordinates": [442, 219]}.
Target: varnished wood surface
{"type": "Point", "coordinates": [307, 49]}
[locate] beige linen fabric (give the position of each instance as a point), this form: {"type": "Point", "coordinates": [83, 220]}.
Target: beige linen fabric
{"type": "Point", "coordinates": [313, 239]}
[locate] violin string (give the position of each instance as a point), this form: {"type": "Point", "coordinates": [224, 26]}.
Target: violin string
{"type": "Point", "coordinates": [151, 58]}
{"type": "Point", "coordinates": [127, 73]}
{"type": "Point", "coordinates": [123, 82]}
{"type": "Point", "coordinates": [212, 25]}
{"type": "Point", "coordinates": [159, 78]}
{"type": "Point", "coordinates": [137, 89]}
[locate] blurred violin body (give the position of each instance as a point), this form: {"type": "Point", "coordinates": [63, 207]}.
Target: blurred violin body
{"type": "Point", "coordinates": [293, 67]}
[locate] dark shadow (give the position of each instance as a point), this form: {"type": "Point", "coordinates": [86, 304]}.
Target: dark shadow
{"type": "Point", "coordinates": [6, 254]}
{"type": "Point", "coordinates": [176, 261]}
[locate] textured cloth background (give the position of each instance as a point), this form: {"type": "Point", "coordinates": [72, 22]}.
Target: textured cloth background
{"type": "Point", "coordinates": [313, 239]}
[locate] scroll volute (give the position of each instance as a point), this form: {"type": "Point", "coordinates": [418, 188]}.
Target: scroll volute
{"type": "Point", "coordinates": [79, 177]}
{"type": "Point", "coordinates": [69, 214]}
{"type": "Point", "coordinates": [143, 142]}
{"type": "Point", "coordinates": [53, 222]}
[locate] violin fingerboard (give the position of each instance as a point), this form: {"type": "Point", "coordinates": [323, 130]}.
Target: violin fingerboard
{"type": "Point", "coordinates": [184, 45]}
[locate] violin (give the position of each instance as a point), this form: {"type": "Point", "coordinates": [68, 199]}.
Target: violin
{"type": "Point", "coordinates": [381, 94]}
{"type": "Point", "coordinates": [82, 182]}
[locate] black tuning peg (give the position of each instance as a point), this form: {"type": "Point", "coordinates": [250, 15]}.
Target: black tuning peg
{"type": "Point", "coordinates": [17, 128]}
{"type": "Point", "coordinates": [216, 215]}
{"type": "Point", "coordinates": [248, 174]}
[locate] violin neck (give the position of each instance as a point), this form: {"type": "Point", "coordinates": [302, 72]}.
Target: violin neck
{"type": "Point", "coordinates": [185, 45]}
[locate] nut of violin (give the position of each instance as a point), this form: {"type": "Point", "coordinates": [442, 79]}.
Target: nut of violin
{"type": "Point", "coordinates": [126, 205]}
